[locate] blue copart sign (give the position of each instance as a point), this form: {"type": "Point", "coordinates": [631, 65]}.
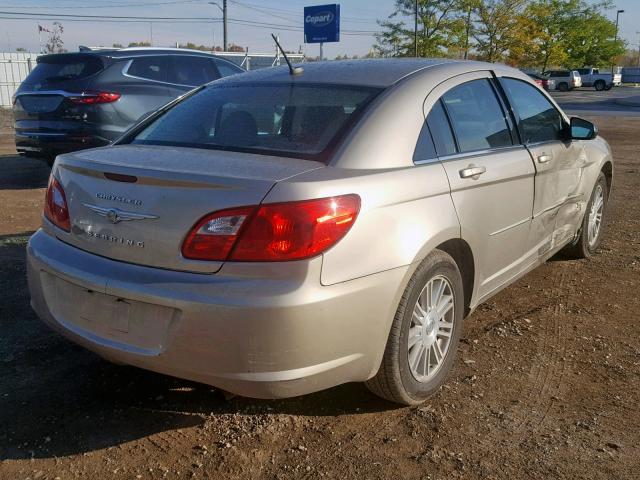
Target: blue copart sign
{"type": "Point", "coordinates": [322, 23]}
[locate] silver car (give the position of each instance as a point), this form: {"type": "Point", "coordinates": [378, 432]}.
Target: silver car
{"type": "Point", "coordinates": [274, 234]}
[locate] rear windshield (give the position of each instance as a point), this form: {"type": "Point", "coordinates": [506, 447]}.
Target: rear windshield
{"type": "Point", "coordinates": [53, 70]}
{"type": "Point", "coordinates": [275, 119]}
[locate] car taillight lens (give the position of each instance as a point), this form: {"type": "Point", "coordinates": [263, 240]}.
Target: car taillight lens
{"type": "Point", "coordinates": [55, 205]}
{"type": "Point", "coordinates": [92, 98]}
{"type": "Point", "coordinates": [272, 232]}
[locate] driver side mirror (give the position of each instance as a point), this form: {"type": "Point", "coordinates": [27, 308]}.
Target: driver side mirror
{"type": "Point", "coordinates": [582, 129]}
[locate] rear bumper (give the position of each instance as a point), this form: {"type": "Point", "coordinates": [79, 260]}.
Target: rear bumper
{"type": "Point", "coordinates": [266, 331]}
{"type": "Point", "coordinates": [49, 144]}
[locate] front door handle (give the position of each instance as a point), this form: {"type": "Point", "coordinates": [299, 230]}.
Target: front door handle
{"type": "Point", "coordinates": [544, 158]}
{"type": "Point", "coordinates": [472, 171]}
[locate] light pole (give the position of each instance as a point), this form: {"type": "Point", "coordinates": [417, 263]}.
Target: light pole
{"type": "Point", "coordinates": [415, 31]}
{"type": "Point", "coordinates": [223, 9]}
{"type": "Point", "coordinates": [615, 39]}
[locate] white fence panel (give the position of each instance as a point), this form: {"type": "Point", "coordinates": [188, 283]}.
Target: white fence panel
{"type": "Point", "coordinates": [14, 68]}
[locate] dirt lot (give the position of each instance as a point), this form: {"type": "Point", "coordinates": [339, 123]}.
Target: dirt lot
{"type": "Point", "coordinates": [546, 383]}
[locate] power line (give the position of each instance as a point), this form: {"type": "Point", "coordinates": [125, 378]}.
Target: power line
{"type": "Point", "coordinates": [134, 19]}
{"type": "Point", "coordinates": [120, 5]}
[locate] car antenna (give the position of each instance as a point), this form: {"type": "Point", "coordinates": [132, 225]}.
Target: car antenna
{"type": "Point", "coordinates": [292, 70]}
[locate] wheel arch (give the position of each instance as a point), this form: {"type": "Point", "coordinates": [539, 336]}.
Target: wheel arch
{"type": "Point", "coordinates": [607, 169]}
{"type": "Point", "coordinates": [462, 254]}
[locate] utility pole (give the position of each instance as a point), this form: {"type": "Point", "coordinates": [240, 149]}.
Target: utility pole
{"type": "Point", "coordinates": [615, 39]}
{"type": "Point", "coordinates": [415, 31]}
{"type": "Point", "coordinates": [223, 9]}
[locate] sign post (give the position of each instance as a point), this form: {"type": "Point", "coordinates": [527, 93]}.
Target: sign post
{"type": "Point", "coordinates": [322, 24]}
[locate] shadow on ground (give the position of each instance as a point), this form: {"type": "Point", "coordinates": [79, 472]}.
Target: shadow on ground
{"type": "Point", "coordinates": [57, 399]}
{"type": "Point", "coordinates": [22, 173]}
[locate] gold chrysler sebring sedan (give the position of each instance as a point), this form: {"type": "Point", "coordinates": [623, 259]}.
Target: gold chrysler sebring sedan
{"type": "Point", "coordinates": [280, 232]}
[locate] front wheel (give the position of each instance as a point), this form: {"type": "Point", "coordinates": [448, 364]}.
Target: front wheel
{"type": "Point", "coordinates": [590, 233]}
{"type": "Point", "coordinates": [600, 85]}
{"type": "Point", "coordinates": [424, 336]}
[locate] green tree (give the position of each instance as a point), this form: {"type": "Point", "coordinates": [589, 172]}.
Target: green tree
{"type": "Point", "coordinates": [440, 27]}
{"type": "Point", "coordinates": [496, 28]}
{"type": "Point", "coordinates": [139, 44]}
{"type": "Point", "coordinates": [591, 40]}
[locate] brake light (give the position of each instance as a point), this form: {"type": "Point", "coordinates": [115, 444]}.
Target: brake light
{"type": "Point", "coordinates": [55, 205]}
{"type": "Point", "coordinates": [272, 232]}
{"type": "Point", "coordinates": [92, 98]}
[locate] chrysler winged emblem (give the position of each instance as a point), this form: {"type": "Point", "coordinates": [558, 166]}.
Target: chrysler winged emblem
{"type": "Point", "coordinates": [115, 215]}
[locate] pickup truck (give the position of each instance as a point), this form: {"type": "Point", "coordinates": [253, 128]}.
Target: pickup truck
{"type": "Point", "coordinates": [591, 77]}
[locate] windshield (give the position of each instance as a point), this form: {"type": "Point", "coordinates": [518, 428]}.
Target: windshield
{"type": "Point", "coordinates": [65, 67]}
{"type": "Point", "coordinates": [274, 119]}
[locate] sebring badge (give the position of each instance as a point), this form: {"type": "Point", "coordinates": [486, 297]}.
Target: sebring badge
{"type": "Point", "coordinates": [115, 215]}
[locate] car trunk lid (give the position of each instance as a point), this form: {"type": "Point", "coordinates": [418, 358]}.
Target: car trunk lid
{"type": "Point", "coordinates": [138, 203]}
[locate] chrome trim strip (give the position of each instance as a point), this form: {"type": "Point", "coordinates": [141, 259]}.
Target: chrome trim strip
{"type": "Point", "coordinates": [518, 223]}
{"type": "Point", "coordinates": [40, 134]}
{"type": "Point", "coordinates": [53, 92]}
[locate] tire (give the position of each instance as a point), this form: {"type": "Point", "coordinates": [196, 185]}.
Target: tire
{"type": "Point", "coordinates": [585, 244]}
{"type": "Point", "coordinates": [563, 86]}
{"type": "Point", "coordinates": [396, 380]}
{"type": "Point", "coordinates": [600, 85]}
{"type": "Point", "coordinates": [609, 87]}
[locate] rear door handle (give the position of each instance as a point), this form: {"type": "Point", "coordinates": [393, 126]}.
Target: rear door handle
{"type": "Point", "coordinates": [544, 158]}
{"type": "Point", "coordinates": [472, 171]}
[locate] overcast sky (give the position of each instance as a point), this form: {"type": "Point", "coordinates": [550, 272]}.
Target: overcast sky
{"type": "Point", "coordinates": [356, 15]}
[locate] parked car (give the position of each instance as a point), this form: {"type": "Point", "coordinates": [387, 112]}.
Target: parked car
{"type": "Point", "coordinates": [274, 235]}
{"type": "Point", "coordinates": [565, 79]}
{"type": "Point", "coordinates": [543, 82]}
{"type": "Point", "coordinates": [72, 101]}
{"type": "Point", "coordinates": [591, 77]}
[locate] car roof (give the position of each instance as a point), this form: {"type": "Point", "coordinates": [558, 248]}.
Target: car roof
{"type": "Point", "coordinates": [379, 72]}
{"type": "Point", "coordinates": [129, 53]}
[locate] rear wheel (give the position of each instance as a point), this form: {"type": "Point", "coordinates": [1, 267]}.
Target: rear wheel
{"type": "Point", "coordinates": [600, 85]}
{"type": "Point", "coordinates": [424, 336]}
{"type": "Point", "coordinates": [563, 86]}
{"type": "Point", "coordinates": [590, 234]}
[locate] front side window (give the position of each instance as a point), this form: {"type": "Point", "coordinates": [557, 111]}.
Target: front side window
{"type": "Point", "coordinates": [150, 68]}
{"type": "Point", "coordinates": [191, 71]}
{"type": "Point", "coordinates": [538, 119]}
{"type": "Point", "coordinates": [476, 116]}
{"type": "Point", "coordinates": [272, 119]}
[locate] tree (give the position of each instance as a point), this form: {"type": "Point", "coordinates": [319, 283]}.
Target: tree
{"type": "Point", "coordinates": [591, 42]}
{"type": "Point", "coordinates": [568, 33]}
{"type": "Point", "coordinates": [440, 27]}
{"type": "Point", "coordinates": [21, 49]}
{"type": "Point", "coordinates": [496, 27]}
{"type": "Point", "coordinates": [117, 45]}
{"type": "Point", "coordinates": [139, 44]}
{"type": "Point", "coordinates": [54, 42]}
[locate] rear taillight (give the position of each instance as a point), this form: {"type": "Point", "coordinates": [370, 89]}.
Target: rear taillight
{"type": "Point", "coordinates": [272, 232]}
{"type": "Point", "coordinates": [55, 205]}
{"type": "Point", "coordinates": [92, 98]}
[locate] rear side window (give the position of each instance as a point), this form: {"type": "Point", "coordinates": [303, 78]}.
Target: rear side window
{"type": "Point", "coordinates": [538, 119]}
{"type": "Point", "coordinates": [191, 71]}
{"type": "Point", "coordinates": [150, 68]}
{"type": "Point", "coordinates": [441, 130]}
{"type": "Point", "coordinates": [226, 68]}
{"type": "Point", "coordinates": [57, 69]}
{"type": "Point", "coordinates": [476, 116]}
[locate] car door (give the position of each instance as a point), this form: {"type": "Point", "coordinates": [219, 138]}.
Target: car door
{"type": "Point", "coordinates": [558, 162]}
{"type": "Point", "coordinates": [490, 174]}
{"type": "Point", "coordinates": [143, 85]}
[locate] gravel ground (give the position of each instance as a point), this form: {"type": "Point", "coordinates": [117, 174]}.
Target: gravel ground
{"type": "Point", "coordinates": [545, 384]}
